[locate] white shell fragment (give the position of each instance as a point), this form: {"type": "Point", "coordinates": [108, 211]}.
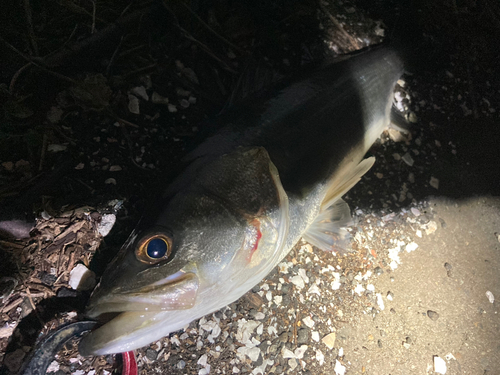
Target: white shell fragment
{"type": "Point", "coordinates": [106, 224]}
{"type": "Point", "coordinates": [380, 301]}
{"type": "Point", "coordinates": [329, 340]}
{"type": "Point", "coordinates": [411, 247]}
{"type": "Point", "coordinates": [140, 92]}
{"type": "Point", "coordinates": [171, 108]}
{"type": "Point", "coordinates": [490, 296]}
{"type": "Point", "coordinates": [408, 159]}
{"type": "Point", "coordinates": [158, 99]}
{"type": "Point", "coordinates": [133, 104]}
{"type": "Point", "coordinates": [298, 282]}
{"type": "Point", "coordinates": [81, 278]}
{"type": "Point", "coordinates": [339, 369]}
{"type": "Point", "coordinates": [308, 321]}
{"type": "Point", "coordinates": [320, 357]}
{"type": "Point", "coordinates": [56, 148]}
{"type": "Point", "coordinates": [115, 168]}
{"type": "Point", "coordinates": [439, 365]}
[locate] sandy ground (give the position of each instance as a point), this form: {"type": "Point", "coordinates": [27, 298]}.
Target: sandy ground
{"type": "Point", "coordinates": [450, 273]}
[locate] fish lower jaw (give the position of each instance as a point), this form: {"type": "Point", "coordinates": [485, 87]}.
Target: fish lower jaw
{"type": "Point", "coordinates": [132, 330]}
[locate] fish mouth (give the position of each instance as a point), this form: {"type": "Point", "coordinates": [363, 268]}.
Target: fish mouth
{"type": "Point", "coordinates": [136, 313]}
{"type": "Point", "coordinates": [176, 292]}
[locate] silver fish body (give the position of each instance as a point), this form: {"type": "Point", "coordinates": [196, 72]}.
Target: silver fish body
{"type": "Point", "coordinates": [274, 174]}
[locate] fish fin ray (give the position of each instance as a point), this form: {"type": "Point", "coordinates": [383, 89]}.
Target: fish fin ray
{"type": "Point", "coordinates": [327, 231]}
{"type": "Point", "coordinates": [339, 188]}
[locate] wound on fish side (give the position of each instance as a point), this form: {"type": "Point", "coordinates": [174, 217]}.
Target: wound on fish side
{"type": "Point", "coordinates": [255, 235]}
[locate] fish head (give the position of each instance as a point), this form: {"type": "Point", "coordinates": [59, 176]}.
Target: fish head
{"type": "Point", "coordinates": [210, 244]}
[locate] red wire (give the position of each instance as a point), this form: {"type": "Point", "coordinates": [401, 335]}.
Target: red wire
{"type": "Point", "coordinates": [129, 363]}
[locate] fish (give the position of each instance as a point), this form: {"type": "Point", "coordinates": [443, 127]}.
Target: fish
{"type": "Point", "coordinates": [273, 174]}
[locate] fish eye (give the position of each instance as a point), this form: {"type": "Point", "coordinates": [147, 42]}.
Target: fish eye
{"type": "Point", "coordinates": [153, 249]}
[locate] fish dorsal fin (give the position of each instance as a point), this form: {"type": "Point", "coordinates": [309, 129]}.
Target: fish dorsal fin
{"type": "Point", "coordinates": [327, 231]}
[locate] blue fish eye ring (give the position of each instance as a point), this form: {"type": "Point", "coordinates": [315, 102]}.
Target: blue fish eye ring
{"type": "Point", "coordinates": [156, 248]}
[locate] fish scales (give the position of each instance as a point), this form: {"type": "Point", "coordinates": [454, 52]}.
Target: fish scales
{"type": "Point", "coordinates": [274, 173]}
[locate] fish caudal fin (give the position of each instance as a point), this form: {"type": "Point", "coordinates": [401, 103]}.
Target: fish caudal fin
{"type": "Point", "coordinates": [328, 232]}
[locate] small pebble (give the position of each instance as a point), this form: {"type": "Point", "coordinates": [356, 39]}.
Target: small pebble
{"type": "Point", "coordinates": [448, 268]}
{"type": "Point", "coordinates": [434, 182]}
{"type": "Point", "coordinates": [303, 336]}
{"type": "Point", "coordinates": [443, 223]}
{"type": "Point", "coordinates": [151, 354]}
{"type": "Point", "coordinates": [432, 314]}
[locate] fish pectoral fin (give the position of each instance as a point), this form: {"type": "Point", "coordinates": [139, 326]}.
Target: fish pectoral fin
{"type": "Point", "coordinates": [327, 231]}
{"type": "Point", "coordinates": [341, 185]}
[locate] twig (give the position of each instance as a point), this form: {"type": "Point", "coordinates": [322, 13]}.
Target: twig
{"type": "Point", "coordinates": [42, 155]}
{"type": "Point", "coordinates": [207, 50]}
{"type": "Point", "coordinates": [93, 17]}
{"type": "Point", "coordinates": [28, 294]}
{"type": "Point", "coordinates": [337, 24]}
{"type": "Point", "coordinates": [33, 295]}
{"type": "Point", "coordinates": [125, 122]}
{"type": "Point", "coordinates": [35, 61]}
{"type": "Point", "coordinates": [140, 70]}
{"type": "Point", "coordinates": [295, 326]}
{"type": "Point", "coordinates": [14, 304]}
{"type": "Point", "coordinates": [212, 30]}
{"type": "Point", "coordinates": [31, 33]}
{"type": "Point", "coordinates": [23, 68]}
{"type": "Point", "coordinates": [188, 36]}
{"type": "Point", "coordinates": [113, 58]}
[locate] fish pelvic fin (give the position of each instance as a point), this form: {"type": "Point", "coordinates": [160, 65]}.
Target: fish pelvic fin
{"type": "Point", "coordinates": [327, 231]}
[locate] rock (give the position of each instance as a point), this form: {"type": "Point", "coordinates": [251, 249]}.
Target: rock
{"type": "Point", "coordinates": [151, 354]}
{"type": "Point", "coordinates": [283, 337]}
{"type": "Point", "coordinates": [443, 223]}
{"type": "Point", "coordinates": [14, 360]}
{"type": "Point", "coordinates": [434, 182]}
{"type": "Point", "coordinates": [303, 336]}
{"type": "Point", "coordinates": [448, 269]}
{"type": "Point", "coordinates": [432, 314]}
{"type": "Point", "coordinates": [329, 340]}
{"type": "Point", "coordinates": [273, 349]}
